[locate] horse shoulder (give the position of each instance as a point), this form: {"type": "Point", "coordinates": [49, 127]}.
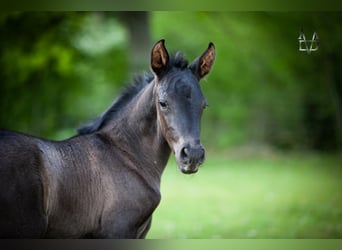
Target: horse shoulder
{"type": "Point", "coordinates": [22, 204]}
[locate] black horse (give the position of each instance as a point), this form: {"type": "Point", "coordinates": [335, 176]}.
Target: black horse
{"type": "Point", "coordinates": [105, 182]}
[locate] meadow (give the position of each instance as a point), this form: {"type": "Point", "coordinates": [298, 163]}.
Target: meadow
{"type": "Point", "coordinates": [247, 195]}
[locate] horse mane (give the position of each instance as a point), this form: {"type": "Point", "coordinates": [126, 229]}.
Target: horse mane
{"type": "Point", "coordinates": [130, 91]}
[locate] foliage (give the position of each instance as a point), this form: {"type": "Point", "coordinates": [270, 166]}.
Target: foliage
{"type": "Point", "coordinates": [262, 89]}
{"type": "Point", "coordinates": [53, 70]}
{"type": "Point", "coordinates": [59, 70]}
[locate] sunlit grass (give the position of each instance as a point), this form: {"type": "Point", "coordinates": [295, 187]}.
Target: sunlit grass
{"type": "Point", "coordinates": [249, 196]}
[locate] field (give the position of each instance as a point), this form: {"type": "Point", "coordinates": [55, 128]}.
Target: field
{"type": "Point", "coordinates": [252, 196]}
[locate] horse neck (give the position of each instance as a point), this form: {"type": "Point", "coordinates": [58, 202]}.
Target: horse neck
{"type": "Point", "coordinates": [139, 134]}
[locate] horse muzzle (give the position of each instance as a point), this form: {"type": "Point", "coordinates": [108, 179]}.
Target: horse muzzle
{"type": "Point", "coordinates": [190, 157]}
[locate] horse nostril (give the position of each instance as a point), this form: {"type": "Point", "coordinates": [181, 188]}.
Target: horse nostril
{"type": "Point", "coordinates": [184, 154]}
{"type": "Point", "coordinates": [192, 155]}
{"type": "Point", "coordinates": [198, 154]}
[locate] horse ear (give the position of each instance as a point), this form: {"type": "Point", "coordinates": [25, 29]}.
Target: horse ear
{"type": "Point", "coordinates": [201, 66]}
{"type": "Point", "coordinates": [159, 57]}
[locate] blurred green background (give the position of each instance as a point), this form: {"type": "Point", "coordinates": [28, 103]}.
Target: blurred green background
{"type": "Point", "coordinates": [273, 129]}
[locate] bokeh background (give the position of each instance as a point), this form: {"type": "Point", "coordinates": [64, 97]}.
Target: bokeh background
{"type": "Point", "coordinates": [273, 129]}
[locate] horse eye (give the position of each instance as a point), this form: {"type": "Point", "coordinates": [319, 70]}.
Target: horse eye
{"type": "Point", "coordinates": [163, 104]}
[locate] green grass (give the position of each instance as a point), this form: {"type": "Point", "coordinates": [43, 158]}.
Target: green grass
{"type": "Point", "coordinates": [249, 196]}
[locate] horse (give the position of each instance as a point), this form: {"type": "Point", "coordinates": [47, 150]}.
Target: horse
{"type": "Point", "coordinates": [104, 182]}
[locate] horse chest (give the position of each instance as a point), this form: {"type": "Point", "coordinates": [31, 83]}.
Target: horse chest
{"type": "Point", "coordinates": [136, 196]}
{"type": "Point", "coordinates": [128, 213]}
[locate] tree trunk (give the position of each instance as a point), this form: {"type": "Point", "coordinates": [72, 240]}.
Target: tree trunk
{"type": "Point", "coordinates": [138, 27]}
